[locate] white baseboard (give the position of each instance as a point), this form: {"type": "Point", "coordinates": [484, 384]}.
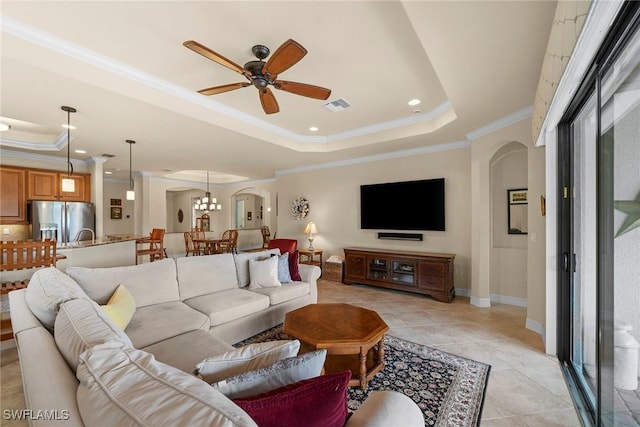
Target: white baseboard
{"type": "Point", "coordinates": [463, 292]}
{"type": "Point", "coordinates": [537, 327]}
{"type": "Point", "coordinates": [481, 302]}
{"type": "Point", "coordinates": [7, 344]}
{"type": "Point", "coordinates": [504, 299]}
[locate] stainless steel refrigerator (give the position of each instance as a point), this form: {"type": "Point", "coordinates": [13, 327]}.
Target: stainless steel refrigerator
{"type": "Point", "coordinates": [61, 220]}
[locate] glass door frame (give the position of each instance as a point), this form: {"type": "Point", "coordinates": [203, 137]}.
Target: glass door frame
{"type": "Point", "coordinates": [625, 25]}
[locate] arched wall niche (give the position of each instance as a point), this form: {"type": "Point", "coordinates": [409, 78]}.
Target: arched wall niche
{"type": "Point", "coordinates": [508, 271]}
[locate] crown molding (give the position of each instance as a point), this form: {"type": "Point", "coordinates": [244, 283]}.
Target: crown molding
{"type": "Point", "coordinates": [386, 156]}
{"type": "Point", "coordinates": [38, 157]}
{"type": "Point", "coordinates": [58, 144]}
{"type": "Point", "coordinates": [502, 123]}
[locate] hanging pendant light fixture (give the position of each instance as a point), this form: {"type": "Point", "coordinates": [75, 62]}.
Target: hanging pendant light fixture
{"type": "Point", "coordinates": [68, 183]}
{"type": "Point", "coordinates": [207, 203]}
{"type": "Point", "coordinates": [131, 195]}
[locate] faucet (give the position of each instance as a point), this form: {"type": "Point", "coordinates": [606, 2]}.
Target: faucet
{"type": "Point", "coordinates": [93, 235]}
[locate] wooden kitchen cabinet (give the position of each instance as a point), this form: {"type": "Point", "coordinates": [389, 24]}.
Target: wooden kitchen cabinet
{"type": "Point", "coordinates": [47, 185]}
{"type": "Point", "coordinates": [13, 203]}
{"type": "Point", "coordinates": [419, 272]}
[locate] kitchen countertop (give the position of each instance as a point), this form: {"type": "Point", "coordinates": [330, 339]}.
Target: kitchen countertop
{"type": "Point", "coordinates": [104, 240]}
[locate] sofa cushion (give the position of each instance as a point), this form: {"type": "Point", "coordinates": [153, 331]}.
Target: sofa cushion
{"type": "Point", "coordinates": [158, 322]}
{"type": "Point", "coordinates": [149, 283]}
{"type": "Point", "coordinates": [246, 358]}
{"type": "Point", "coordinates": [185, 350]}
{"type": "Point", "coordinates": [225, 306]}
{"type": "Point", "coordinates": [286, 292]}
{"type": "Point", "coordinates": [281, 373]}
{"type": "Point", "coordinates": [294, 259]}
{"type": "Point", "coordinates": [120, 307]}
{"type": "Point", "coordinates": [126, 387]}
{"type": "Point", "coordinates": [263, 273]}
{"type": "Point", "coordinates": [242, 263]}
{"type": "Point", "coordinates": [201, 275]}
{"type": "Point", "coordinates": [284, 275]}
{"type": "Point", "coordinates": [47, 289]}
{"type": "Point", "coordinates": [82, 324]}
{"type": "Point", "coordinates": [316, 402]}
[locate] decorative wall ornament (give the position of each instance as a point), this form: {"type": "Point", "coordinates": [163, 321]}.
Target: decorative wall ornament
{"type": "Point", "coordinates": [632, 209]}
{"type": "Point", "coordinates": [299, 208]}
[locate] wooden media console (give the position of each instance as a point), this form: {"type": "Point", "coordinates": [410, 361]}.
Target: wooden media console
{"type": "Point", "coordinates": [420, 272]}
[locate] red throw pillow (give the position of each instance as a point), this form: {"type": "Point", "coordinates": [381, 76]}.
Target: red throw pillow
{"type": "Point", "coordinates": [293, 266]}
{"type": "Point", "coordinates": [316, 402]}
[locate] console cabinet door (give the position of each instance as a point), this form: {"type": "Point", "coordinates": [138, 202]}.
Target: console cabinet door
{"type": "Point", "coordinates": [355, 266]}
{"type": "Point", "coordinates": [432, 275]}
{"type": "Point", "coordinates": [12, 196]}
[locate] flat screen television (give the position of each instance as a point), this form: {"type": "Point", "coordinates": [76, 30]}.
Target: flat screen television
{"type": "Point", "coordinates": [408, 205]}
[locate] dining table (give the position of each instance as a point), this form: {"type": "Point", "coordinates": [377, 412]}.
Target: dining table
{"type": "Point", "coordinates": [210, 245]}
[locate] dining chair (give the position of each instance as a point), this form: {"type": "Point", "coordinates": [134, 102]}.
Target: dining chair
{"type": "Point", "coordinates": [198, 233]}
{"type": "Point", "coordinates": [189, 245]}
{"type": "Point", "coordinates": [266, 236]}
{"type": "Point", "coordinates": [155, 248]}
{"type": "Point", "coordinates": [226, 242]}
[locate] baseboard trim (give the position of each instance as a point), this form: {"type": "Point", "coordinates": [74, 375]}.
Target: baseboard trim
{"type": "Point", "coordinates": [7, 344]}
{"type": "Point", "coordinates": [505, 299]}
{"type": "Point", "coordinates": [463, 292]}
{"type": "Point", "coordinates": [535, 326]}
{"type": "Point", "coordinates": [481, 302]}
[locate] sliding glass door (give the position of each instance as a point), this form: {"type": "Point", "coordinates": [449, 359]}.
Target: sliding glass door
{"type": "Point", "coordinates": [599, 233]}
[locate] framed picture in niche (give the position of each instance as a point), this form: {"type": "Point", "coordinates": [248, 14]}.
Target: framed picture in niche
{"type": "Point", "coordinates": [116, 202]}
{"type": "Point", "coordinates": [517, 206]}
{"type": "Point", "coordinates": [116, 212]}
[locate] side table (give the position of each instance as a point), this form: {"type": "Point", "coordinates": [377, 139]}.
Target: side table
{"type": "Point", "coordinates": [308, 256]}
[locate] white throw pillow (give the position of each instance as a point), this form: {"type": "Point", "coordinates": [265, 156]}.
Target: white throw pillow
{"type": "Point", "coordinates": [48, 288]}
{"type": "Point", "coordinates": [128, 387]}
{"type": "Point", "coordinates": [281, 373]}
{"type": "Point", "coordinates": [264, 273]}
{"type": "Point", "coordinates": [82, 324]}
{"type": "Point", "coordinates": [247, 358]}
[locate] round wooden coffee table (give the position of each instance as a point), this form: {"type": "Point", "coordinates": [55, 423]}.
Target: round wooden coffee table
{"type": "Point", "coordinates": [353, 337]}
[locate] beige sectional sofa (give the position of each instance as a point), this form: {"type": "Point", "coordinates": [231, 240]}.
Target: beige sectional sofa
{"type": "Point", "coordinates": [186, 310]}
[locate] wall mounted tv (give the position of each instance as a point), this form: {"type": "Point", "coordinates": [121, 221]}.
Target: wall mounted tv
{"type": "Point", "coordinates": [408, 205]}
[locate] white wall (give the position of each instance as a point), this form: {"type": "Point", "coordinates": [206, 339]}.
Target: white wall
{"type": "Point", "coordinates": [117, 190]}
{"type": "Point", "coordinates": [334, 205]}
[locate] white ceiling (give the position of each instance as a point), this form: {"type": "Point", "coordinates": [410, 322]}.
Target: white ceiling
{"type": "Point", "coordinates": [122, 65]}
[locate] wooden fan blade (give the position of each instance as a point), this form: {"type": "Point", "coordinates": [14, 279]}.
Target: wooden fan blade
{"type": "Point", "coordinates": [216, 57]}
{"type": "Point", "coordinates": [287, 55]}
{"type": "Point", "coordinates": [303, 89]}
{"type": "Point", "coordinates": [224, 88]}
{"type": "Point", "coordinates": [268, 101]}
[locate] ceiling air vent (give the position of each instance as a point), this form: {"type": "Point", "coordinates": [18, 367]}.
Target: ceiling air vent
{"type": "Point", "coordinates": [107, 155]}
{"type": "Point", "coordinates": [337, 105]}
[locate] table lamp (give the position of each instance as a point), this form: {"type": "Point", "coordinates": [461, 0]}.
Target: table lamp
{"type": "Point", "coordinates": [311, 229]}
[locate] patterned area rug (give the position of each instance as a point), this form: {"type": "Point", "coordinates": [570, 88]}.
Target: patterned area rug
{"type": "Point", "coordinates": [449, 389]}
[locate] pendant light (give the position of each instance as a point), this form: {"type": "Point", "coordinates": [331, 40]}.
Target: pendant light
{"type": "Point", "coordinates": [131, 195]}
{"type": "Point", "coordinates": [68, 183]}
{"type": "Point", "coordinates": [207, 203]}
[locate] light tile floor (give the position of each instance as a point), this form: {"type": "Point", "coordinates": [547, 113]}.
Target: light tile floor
{"type": "Point", "coordinates": [525, 388]}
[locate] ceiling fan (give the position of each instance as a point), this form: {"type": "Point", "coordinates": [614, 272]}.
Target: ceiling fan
{"type": "Point", "coordinates": [263, 74]}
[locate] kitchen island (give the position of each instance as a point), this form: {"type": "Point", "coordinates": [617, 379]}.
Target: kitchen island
{"type": "Point", "coordinates": [107, 251]}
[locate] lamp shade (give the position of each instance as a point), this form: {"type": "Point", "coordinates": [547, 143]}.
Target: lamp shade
{"type": "Point", "coordinates": [131, 195]}
{"type": "Point", "coordinates": [311, 229]}
{"type": "Point", "coordinates": [68, 185]}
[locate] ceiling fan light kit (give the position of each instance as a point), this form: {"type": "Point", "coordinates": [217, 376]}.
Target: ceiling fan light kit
{"type": "Point", "coordinates": [263, 74]}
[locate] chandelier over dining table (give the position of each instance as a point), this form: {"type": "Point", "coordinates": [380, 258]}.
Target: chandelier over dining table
{"type": "Point", "coordinates": [207, 203]}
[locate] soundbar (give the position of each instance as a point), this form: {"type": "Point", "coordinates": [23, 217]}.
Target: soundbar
{"type": "Point", "coordinates": [401, 236]}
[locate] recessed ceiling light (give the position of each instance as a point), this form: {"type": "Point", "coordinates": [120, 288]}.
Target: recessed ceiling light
{"type": "Point", "coordinates": [80, 151]}
{"type": "Point", "coordinates": [4, 127]}
{"type": "Point", "coordinates": [313, 129]}
{"type": "Point", "coordinates": [414, 102]}
{"type": "Point", "coordinates": [108, 173]}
